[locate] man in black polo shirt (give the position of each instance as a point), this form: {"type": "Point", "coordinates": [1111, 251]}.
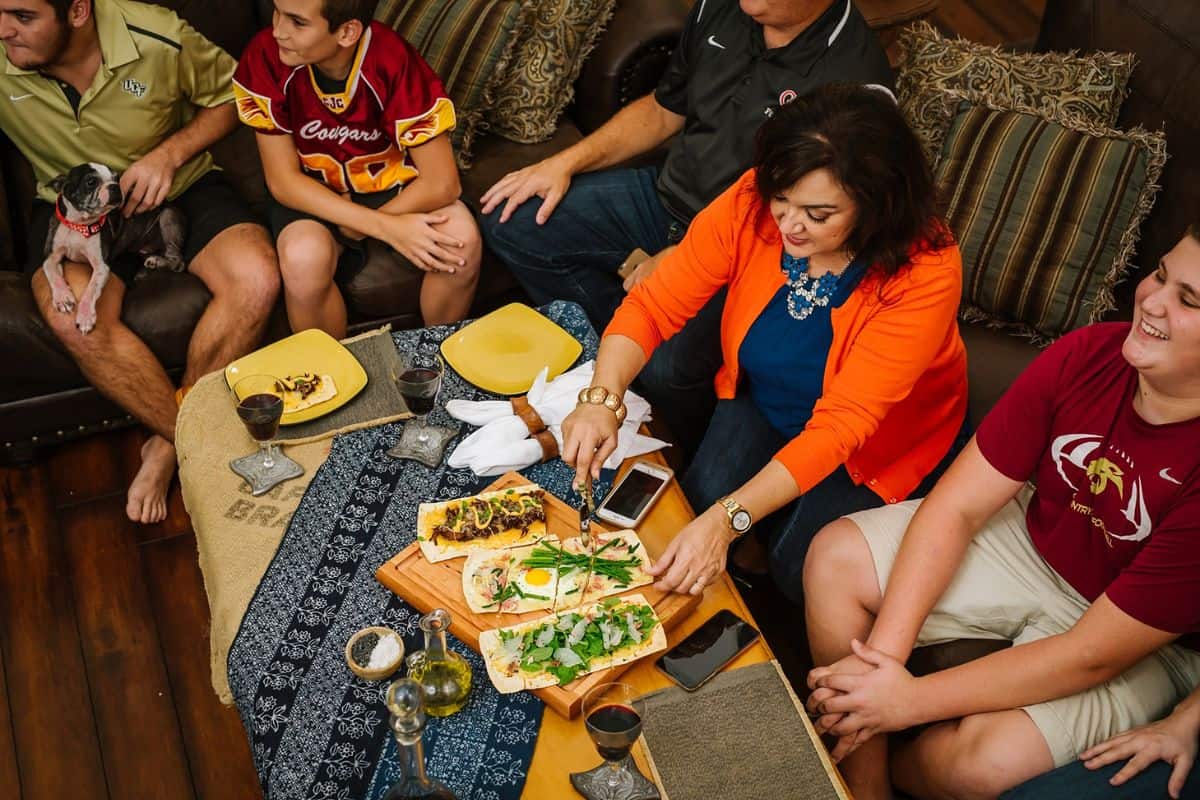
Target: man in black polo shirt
{"type": "Point", "coordinates": [734, 64]}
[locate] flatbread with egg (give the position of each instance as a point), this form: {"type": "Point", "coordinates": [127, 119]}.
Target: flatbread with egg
{"type": "Point", "coordinates": [494, 520]}
{"type": "Point", "coordinates": [528, 578]}
{"type": "Point", "coordinates": [559, 648]}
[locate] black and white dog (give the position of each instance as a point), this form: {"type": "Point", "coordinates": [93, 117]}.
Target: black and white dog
{"type": "Point", "coordinates": [88, 226]}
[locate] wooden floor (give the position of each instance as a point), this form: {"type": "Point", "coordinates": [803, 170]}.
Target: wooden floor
{"type": "Point", "coordinates": [104, 681]}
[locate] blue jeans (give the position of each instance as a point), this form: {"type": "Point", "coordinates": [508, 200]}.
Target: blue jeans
{"type": "Point", "coordinates": [739, 442]}
{"type": "Point", "coordinates": [575, 255]}
{"type": "Point", "coordinates": [1074, 781]}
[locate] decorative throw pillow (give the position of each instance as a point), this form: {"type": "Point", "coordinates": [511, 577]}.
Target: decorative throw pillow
{"type": "Point", "coordinates": [1046, 215]}
{"type": "Point", "coordinates": [469, 44]}
{"type": "Point", "coordinates": [532, 96]}
{"type": "Point", "coordinates": [1061, 86]}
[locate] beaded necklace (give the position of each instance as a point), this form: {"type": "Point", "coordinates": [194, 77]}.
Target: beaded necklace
{"type": "Point", "coordinates": [807, 292]}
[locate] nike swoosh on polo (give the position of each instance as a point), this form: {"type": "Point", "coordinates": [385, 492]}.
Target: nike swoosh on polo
{"type": "Point", "coordinates": [713, 41]}
{"type": "Point", "coordinates": [1166, 476]}
{"type": "Point", "coordinates": [17, 99]}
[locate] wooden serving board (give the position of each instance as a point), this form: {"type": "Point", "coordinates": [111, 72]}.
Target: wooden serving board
{"type": "Point", "coordinates": [428, 586]}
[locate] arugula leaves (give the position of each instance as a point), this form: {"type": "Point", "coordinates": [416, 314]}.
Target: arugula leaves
{"type": "Point", "coordinates": [539, 645]}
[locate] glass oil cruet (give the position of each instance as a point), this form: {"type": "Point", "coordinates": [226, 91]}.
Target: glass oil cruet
{"type": "Point", "coordinates": [444, 675]}
{"type": "Point", "coordinates": [407, 720]}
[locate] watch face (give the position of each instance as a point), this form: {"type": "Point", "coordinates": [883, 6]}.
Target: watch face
{"type": "Point", "coordinates": [741, 521]}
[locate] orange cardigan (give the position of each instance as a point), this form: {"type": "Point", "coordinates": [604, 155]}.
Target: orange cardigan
{"type": "Point", "coordinates": [895, 384]}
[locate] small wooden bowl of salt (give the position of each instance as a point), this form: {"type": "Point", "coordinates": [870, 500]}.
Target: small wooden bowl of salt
{"type": "Point", "coordinates": [374, 653]}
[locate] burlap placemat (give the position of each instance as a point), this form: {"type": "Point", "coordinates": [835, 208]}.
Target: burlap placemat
{"type": "Point", "coordinates": [379, 401]}
{"type": "Point", "coordinates": [742, 736]}
{"type": "Point", "coordinates": [237, 534]}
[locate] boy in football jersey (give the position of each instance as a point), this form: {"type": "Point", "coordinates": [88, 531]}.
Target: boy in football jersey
{"type": "Point", "coordinates": [352, 126]}
{"type": "Point", "coordinates": [1094, 575]}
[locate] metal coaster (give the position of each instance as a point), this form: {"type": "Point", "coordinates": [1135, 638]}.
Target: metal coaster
{"type": "Point", "coordinates": [428, 452]}
{"type": "Point", "coordinates": [593, 784]}
{"type": "Point", "coordinates": [262, 480]}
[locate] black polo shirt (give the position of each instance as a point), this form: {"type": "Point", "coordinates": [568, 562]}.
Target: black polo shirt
{"type": "Point", "coordinates": [726, 82]}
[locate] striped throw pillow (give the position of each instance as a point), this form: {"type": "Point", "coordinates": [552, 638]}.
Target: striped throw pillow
{"type": "Point", "coordinates": [469, 44]}
{"type": "Point", "coordinates": [1046, 216]}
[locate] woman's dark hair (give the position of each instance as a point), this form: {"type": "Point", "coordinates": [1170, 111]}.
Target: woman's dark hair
{"type": "Point", "coordinates": [860, 136]}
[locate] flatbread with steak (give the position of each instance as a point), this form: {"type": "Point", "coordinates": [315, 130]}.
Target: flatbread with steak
{"type": "Point", "coordinates": [559, 648]}
{"type": "Point", "coordinates": [489, 521]}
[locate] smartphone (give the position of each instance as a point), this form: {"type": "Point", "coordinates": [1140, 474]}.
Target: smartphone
{"type": "Point", "coordinates": [721, 638]}
{"type": "Point", "coordinates": [629, 502]}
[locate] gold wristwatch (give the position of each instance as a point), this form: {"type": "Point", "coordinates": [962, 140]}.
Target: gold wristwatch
{"type": "Point", "coordinates": [740, 519]}
{"type": "Point", "coordinates": [599, 396]}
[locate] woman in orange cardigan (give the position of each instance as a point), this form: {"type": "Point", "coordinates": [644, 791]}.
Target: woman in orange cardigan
{"type": "Point", "coordinates": [844, 378]}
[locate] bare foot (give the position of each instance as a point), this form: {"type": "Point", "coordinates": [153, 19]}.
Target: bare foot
{"type": "Point", "coordinates": [148, 492]}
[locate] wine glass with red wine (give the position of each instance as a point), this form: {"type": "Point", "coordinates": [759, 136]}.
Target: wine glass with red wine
{"type": "Point", "coordinates": [613, 714]}
{"type": "Point", "coordinates": [419, 380]}
{"type": "Point", "coordinates": [260, 407]}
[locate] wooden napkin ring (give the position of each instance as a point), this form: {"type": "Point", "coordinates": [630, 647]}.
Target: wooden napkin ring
{"type": "Point", "coordinates": [528, 414]}
{"type": "Point", "coordinates": [549, 445]}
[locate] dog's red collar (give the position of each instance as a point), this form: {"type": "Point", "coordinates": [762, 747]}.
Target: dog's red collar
{"type": "Point", "coordinates": [87, 229]}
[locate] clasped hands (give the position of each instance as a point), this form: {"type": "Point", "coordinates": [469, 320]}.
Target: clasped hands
{"type": "Point", "coordinates": [866, 693]}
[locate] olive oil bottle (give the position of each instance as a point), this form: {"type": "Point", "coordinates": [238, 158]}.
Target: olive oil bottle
{"type": "Point", "coordinates": [444, 675]}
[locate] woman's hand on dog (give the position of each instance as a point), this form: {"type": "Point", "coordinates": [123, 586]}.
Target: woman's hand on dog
{"type": "Point", "coordinates": [417, 238]}
{"type": "Point", "coordinates": [147, 182]}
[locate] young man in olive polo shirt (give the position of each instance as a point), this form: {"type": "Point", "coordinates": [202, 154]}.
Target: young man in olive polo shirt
{"type": "Point", "coordinates": [132, 86]}
{"type": "Point", "coordinates": [735, 63]}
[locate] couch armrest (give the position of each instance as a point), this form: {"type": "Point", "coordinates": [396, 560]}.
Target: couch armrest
{"type": "Point", "coordinates": [628, 59]}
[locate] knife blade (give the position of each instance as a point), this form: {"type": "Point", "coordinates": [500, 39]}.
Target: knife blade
{"type": "Point", "coordinates": [586, 509]}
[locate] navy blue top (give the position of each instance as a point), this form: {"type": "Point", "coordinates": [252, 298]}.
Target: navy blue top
{"type": "Point", "coordinates": [783, 359]}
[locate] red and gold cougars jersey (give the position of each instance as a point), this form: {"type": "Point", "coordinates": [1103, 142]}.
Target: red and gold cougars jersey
{"type": "Point", "coordinates": [358, 140]}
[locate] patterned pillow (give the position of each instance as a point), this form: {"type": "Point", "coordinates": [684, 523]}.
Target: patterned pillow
{"type": "Point", "coordinates": [469, 44]}
{"type": "Point", "coordinates": [1046, 214]}
{"type": "Point", "coordinates": [1061, 86]}
{"type": "Point", "coordinates": [532, 96]}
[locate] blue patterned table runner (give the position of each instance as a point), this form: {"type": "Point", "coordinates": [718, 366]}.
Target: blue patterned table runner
{"type": "Point", "coordinates": [317, 732]}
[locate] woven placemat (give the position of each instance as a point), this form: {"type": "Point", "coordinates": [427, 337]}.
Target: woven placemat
{"type": "Point", "coordinates": [379, 401]}
{"type": "Point", "coordinates": [742, 736]}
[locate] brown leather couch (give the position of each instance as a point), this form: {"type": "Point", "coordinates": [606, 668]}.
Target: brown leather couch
{"type": "Point", "coordinates": [1165, 36]}
{"type": "Point", "coordinates": [43, 397]}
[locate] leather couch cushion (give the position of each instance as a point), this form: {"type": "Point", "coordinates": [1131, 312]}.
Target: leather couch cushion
{"type": "Point", "coordinates": [228, 24]}
{"type": "Point", "coordinates": [1165, 37]}
{"type": "Point", "coordinates": [994, 360]}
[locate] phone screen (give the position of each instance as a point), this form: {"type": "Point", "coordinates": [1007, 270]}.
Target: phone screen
{"type": "Point", "coordinates": [634, 494]}
{"type": "Point", "coordinates": [710, 647]}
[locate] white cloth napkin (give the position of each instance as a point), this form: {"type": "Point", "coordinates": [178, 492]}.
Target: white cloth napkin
{"type": "Point", "coordinates": [503, 442]}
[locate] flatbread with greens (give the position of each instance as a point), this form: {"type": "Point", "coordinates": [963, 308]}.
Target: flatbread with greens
{"type": "Point", "coordinates": [559, 648]}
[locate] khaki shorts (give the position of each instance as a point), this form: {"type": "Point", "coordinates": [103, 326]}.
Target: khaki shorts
{"type": "Point", "coordinates": [1004, 590]}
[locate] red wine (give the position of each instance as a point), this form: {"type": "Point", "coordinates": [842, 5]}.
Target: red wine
{"type": "Point", "coordinates": [614, 729]}
{"type": "Point", "coordinates": [261, 413]}
{"type": "Point", "coordinates": [419, 388]}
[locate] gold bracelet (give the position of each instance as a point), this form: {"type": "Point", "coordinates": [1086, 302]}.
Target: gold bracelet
{"type": "Point", "coordinates": [599, 396]}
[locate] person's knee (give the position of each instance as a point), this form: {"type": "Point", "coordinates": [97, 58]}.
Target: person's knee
{"type": "Point", "coordinates": [461, 225]}
{"type": "Point", "coordinates": [836, 553]}
{"type": "Point", "coordinates": [62, 323]}
{"type": "Point", "coordinates": [981, 761]}
{"type": "Point", "coordinates": [241, 265]}
{"type": "Point", "coordinates": [307, 259]}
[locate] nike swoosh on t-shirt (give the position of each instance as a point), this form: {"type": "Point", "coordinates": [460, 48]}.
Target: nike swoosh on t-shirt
{"type": "Point", "coordinates": [1166, 476]}
{"type": "Point", "coordinates": [17, 99]}
{"type": "Point", "coordinates": [713, 41]}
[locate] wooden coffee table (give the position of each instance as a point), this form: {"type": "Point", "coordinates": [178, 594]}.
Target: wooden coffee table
{"type": "Point", "coordinates": [563, 746]}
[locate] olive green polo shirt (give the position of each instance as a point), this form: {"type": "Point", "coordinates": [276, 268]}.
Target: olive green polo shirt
{"type": "Point", "coordinates": [156, 69]}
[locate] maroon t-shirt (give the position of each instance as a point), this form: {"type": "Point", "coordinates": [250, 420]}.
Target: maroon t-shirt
{"type": "Point", "coordinates": [1117, 506]}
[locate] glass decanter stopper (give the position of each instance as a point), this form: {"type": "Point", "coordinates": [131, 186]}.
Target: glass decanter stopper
{"type": "Point", "coordinates": [444, 675]}
{"type": "Point", "coordinates": [407, 721]}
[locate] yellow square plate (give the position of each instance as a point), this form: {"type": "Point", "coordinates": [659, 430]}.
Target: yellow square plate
{"type": "Point", "coordinates": [504, 351]}
{"type": "Point", "coordinates": [308, 351]}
